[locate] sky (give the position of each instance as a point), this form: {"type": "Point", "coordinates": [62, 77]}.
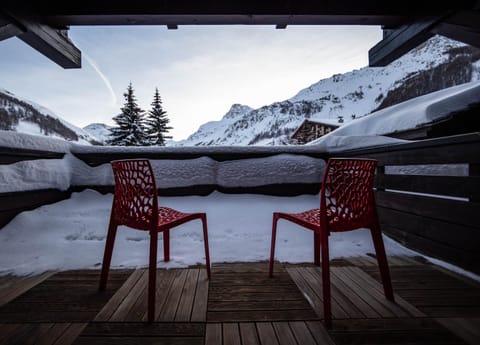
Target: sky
{"type": "Point", "coordinates": [200, 71]}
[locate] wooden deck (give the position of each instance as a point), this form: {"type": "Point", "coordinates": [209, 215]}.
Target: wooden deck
{"type": "Point", "coordinates": [241, 305]}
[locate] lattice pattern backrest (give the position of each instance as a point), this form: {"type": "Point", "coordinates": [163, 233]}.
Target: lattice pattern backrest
{"type": "Point", "coordinates": [347, 193]}
{"type": "Point", "coordinates": [135, 192]}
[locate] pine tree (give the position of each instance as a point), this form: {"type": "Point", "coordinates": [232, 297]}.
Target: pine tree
{"type": "Point", "coordinates": [130, 130]}
{"type": "Point", "coordinates": [157, 122]}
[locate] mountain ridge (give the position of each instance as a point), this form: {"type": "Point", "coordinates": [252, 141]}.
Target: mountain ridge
{"type": "Point", "coordinates": [435, 64]}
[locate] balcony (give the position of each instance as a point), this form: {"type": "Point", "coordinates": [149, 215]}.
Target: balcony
{"type": "Point", "coordinates": [427, 197]}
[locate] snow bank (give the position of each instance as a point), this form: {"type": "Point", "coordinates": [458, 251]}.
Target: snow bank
{"type": "Point", "coordinates": [32, 142]}
{"type": "Point", "coordinates": [276, 169]}
{"type": "Point", "coordinates": [38, 174]}
{"type": "Point", "coordinates": [73, 234]}
{"type": "Point", "coordinates": [406, 115]}
{"type": "Point", "coordinates": [169, 173]}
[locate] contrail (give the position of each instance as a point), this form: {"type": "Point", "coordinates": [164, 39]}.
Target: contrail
{"type": "Point", "coordinates": [102, 76]}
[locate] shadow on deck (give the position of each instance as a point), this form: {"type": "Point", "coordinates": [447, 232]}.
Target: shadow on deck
{"type": "Point", "coordinates": [241, 305]}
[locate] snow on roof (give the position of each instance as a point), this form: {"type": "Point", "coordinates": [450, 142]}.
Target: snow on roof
{"type": "Point", "coordinates": [412, 113]}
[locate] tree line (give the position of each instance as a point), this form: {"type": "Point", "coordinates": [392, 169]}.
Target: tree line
{"type": "Point", "coordinates": [135, 127]}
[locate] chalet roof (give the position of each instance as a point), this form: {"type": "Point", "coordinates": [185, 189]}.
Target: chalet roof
{"type": "Point", "coordinates": [405, 24]}
{"type": "Point", "coordinates": [326, 122]}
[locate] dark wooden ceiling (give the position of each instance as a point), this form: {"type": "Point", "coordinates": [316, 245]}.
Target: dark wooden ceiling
{"type": "Point", "coordinates": [406, 23]}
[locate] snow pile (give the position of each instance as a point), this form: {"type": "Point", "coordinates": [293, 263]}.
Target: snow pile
{"type": "Point", "coordinates": [73, 234]}
{"type": "Point", "coordinates": [271, 170]}
{"type": "Point", "coordinates": [32, 142]}
{"type": "Point", "coordinates": [411, 114]}
{"type": "Point", "coordinates": [71, 171]}
{"type": "Point", "coordinates": [32, 175]}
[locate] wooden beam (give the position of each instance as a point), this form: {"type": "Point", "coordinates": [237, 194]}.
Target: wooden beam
{"type": "Point", "coordinates": [8, 30]}
{"type": "Point", "coordinates": [462, 26]}
{"type": "Point", "coordinates": [399, 41]}
{"type": "Point", "coordinates": [51, 42]}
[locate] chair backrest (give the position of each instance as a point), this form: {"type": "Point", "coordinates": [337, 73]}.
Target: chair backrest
{"type": "Point", "coordinates": [136, 195]}
{"type": "Point", "coordinates": [346, 198]}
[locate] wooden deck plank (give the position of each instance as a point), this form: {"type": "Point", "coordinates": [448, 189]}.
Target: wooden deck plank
{"type": "Point", "coordinates": [245, 302]}
{"type": "Point", "coordinates": [231, 334]}
{"type": "Point", "coordinates": [433, 292]}
{"type": "Point", "coordinates": [54, 333]}
{"type": "Point", "coordinates": [391, 331]}
{"type": "Point", "coordinates": [174, 295]}
{"type": "Point", "coordinates": [249, 335]}
{"type": "Point", "coordinates": [178, 333]}
{"type": "Point", "coordinates": [63, 297]}
{"type": "Point", "coordinates": [312, 297]}
{"type": "Point", "coordinates": [302, 333]}
{"type": "Point", "coordinates": [266, 333]}
{"type": "Point", "coordinates": [185, 306]}
{"type": "Point", "coordinates": [70, 334]}
{"type": "Point", "coordinates": [284, 333]}
{"type": "Point", "coordinates": [377, 291]}
{"type": "Point", "coordinates": [199, 312]}
{"type": "Point", "coordinates": [319, 333]}
{"type": "Point", "coordinates": [365, 309]}
{"type": "Point", "coordinates": [315, 285]}
{"type": "Point", "coordinates": [213, 334]}
{"type": "Point", "coordinates": [164, 283]}
{"type": "Point", "coordinates": [466, 328]}
{"type": "Point", "coordinates": [15, 286]}
{"type": "Point", "coordinates": [130, 298]}
{"type": "Point", "coordinates": [111, 306]}
{"type": "Point", "coordinates": [135, 341]}
{"type": "Point", "coordinates": [363, 292]}
{"type": "Point", "coordinates": [260, 311]}
{"type": "Point", "coordinates": [7, 329]}
{"type": "Point", "coordinates": [401, 307]}
{"type": "Point", "coordinates": [39, 331]}
{"type": "Point", "coordinates": [139, 308]}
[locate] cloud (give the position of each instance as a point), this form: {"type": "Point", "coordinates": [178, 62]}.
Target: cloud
{"type": "Point", "coordinates": [102, 76]}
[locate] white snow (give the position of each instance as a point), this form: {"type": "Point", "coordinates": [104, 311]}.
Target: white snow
{"type": "Point", "coordinates": [276, 169]}
{"type": "Point", "coordinates": [71, 234]}
{"type": "Point", "coordinates": [412, 113]}
{"type": "Point", "coordinates": [32, 142]}
{"type": "Point", "coordinates": [358, 93]}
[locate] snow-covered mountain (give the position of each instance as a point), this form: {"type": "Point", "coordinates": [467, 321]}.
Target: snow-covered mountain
{"type": "Point", "coordinates": [100, 131]}
{"type": "Point", "coordinates": [24, 116]}
{"type": "Point", "coordinates": [434, 65]}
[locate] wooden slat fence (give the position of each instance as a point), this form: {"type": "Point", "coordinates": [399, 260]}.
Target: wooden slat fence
{"type": "Point", "coordinates": [436, 213]}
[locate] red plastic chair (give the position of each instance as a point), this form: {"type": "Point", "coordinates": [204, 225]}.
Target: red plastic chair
{"type": "Point", "coordinates": [346, 203]}
{"type": "Point", "coordinates": [135, 204]}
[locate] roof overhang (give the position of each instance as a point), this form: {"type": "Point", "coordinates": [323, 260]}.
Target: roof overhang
{"type": "Point", "coordinates": [406, 24]}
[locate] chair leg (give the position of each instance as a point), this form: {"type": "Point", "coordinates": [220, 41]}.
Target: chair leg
{"type": "Point", "coordinates": [272, 247]}
{"type": "Point", "coordinates": [152, 275]}
{"type": "Point", "coordinates": [107, 255]}
{"type": "Point", "coordinates": [316, 248]}
{"type": "Point", "coordinates": [327, 304]}
{"type": "Point", "coordinates": [205, 242]}
{"type": "Point", "coordinates": [166, 245]}
{"type": "Point", "coordinates": [382, 260]}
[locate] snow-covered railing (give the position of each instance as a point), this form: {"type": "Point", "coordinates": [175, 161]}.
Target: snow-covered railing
{"type": "Point", "coordinates": [428, 196]}
{"type": "Point", "coordinates": [41, 170]}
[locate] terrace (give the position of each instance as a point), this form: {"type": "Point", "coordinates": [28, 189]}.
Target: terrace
{"type": "Point", "coordinates": [433, 215]}
{"type": "Point", "coordinates": [427, 196]}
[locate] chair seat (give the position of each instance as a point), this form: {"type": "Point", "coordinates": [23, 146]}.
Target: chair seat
{"type": "Point", "coordinates": [309, 219]}
{"type": "Point", "coordinates": [167, 218]}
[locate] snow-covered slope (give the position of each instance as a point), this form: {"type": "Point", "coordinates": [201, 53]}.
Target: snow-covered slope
{"type": "Point", "coordinates": [24, 116]}
{"type": "Point", "coordinates": [100, 131]}
{"type": "Point", "coordinates": [434, 65]}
